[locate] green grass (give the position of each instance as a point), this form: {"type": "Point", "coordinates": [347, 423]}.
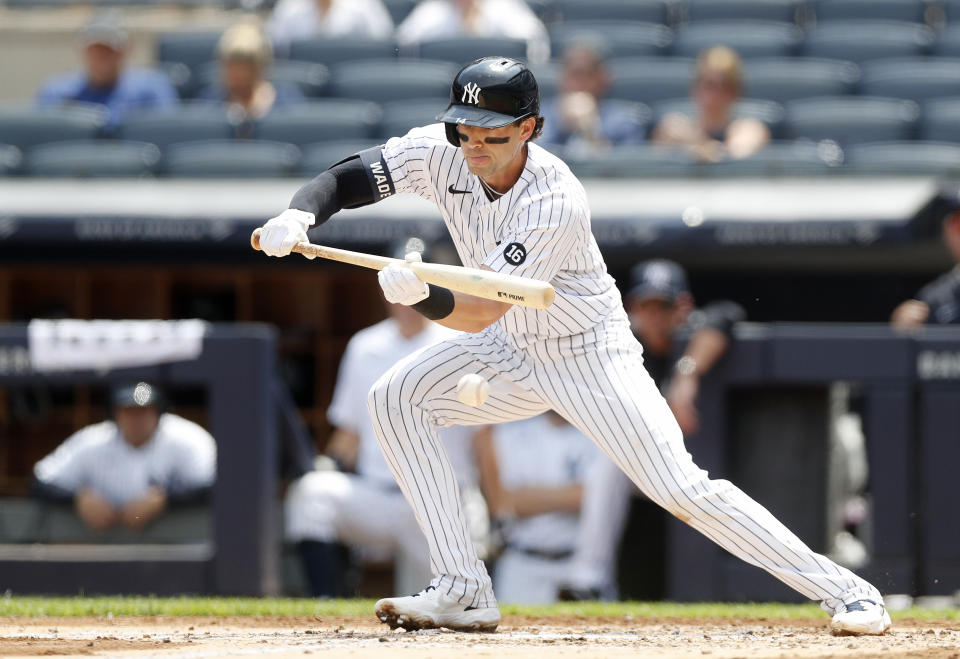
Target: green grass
{"type": "Point", "coordinates": [239, 606]}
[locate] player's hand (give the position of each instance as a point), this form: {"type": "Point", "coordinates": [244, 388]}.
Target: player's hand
{"type": "Point", "coordinates": [682, 399]}
{"type": "Point", "coordinates": [140, 512]}
{"type": "Point", "coordinates": [910, 314]}
{"type": "Point", "coordinates": [400, 284]}
{"type": "Point", "coordinates": [94, 510]}
{"type": "Point", "coordinates": [282, 232]}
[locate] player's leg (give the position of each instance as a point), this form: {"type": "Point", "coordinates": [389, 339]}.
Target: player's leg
{"type": "Point", "coordinates": [608, 394]}
{"type": "Point", "coordinates": [407, 405]}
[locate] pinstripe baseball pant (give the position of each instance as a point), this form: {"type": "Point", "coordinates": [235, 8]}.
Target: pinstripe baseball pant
{"type": "Point", "coordinates": [597, 381]}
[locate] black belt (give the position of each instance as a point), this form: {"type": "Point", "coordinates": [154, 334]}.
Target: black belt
{"type": "Point", "coordinates": [558, 555]}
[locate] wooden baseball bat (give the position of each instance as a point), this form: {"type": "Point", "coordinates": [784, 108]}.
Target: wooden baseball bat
{"type": "Point", "coordinates": [474, 281]}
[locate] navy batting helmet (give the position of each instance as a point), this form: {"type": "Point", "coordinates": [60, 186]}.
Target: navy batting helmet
{"type": "Point", "coordinates": [492, 92]}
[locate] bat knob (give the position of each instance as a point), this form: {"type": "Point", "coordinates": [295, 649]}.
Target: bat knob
{"type": "Point", "coordinates": [255, 239]}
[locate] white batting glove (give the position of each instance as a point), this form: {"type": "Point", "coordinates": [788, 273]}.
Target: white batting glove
{"type": "Point", "coordinates": [400, 284]}
{"type": "Point", "coordinates": [282, 232]}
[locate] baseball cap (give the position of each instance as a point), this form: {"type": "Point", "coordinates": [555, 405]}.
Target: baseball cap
{"type": "Point", "coordinates": [658, 279]}
{"type": "Point", "coordinates": [492, 92]}
{"type": "Point", "coordinates": [104, 28]}
{"type": "Point", "coordinates": [141, 394]}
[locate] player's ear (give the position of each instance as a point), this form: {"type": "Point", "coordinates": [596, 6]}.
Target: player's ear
{"type": "Point", "coordinates": [527, 127]}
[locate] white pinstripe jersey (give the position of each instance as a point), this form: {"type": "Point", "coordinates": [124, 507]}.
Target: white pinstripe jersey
{"type": "Point", "coordinates": [540, 229]}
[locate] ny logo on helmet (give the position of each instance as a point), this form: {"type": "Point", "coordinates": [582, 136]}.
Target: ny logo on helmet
{"type": "Point", "coordinates": [471, 93]}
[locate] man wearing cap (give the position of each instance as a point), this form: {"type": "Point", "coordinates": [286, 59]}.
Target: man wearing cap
{"type": "Point", "coordinates": [106, 80]}
{"type": "Point", "coordinates": [125, 472]}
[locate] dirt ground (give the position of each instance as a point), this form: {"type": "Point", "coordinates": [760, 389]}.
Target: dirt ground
{"type": "Point", "coordinates": [182, 638]}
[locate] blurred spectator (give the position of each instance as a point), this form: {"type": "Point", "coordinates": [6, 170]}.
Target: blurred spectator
{"type": "Point", "coordinates": [442, 19]}
{"type": "Point", "coordinates": [366, 509]}
{"type": "Point", "coordinates": [532, 473]}
{"type": "Point", "coordinates": [129, 470]}
{"type": "Point", "coordinates": [579, 119]}
{"type": "Point", "coordinates": [301, 19]}
{"type": "Point", "coordinates": [660, 307]}
{"type": "Point", "coordinates": [939, 301]}
{"type": "Point", "coordinates": [245, 56]}
{"type": "Point", "coordinates": [106, 79]}
{"type": "Point", "coordinates": [714, 134]}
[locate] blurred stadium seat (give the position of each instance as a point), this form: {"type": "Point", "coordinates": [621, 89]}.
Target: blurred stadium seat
{"type": "Point", "coordinates": [230, 159]}
{"type": "Point", "coordinates": [195, 121]}
{"type": "Point", "coordinates": [312, 78]}
{"type": "Point", "coordinates": [948, 39]}
{"type": "Point", "coordinates": [613, 38]}
{"type": "Point", "coordinates": [392, 80]}
{"type": "Point", "coordinates": [852, 120]}
{"type": "Point", "coordinates": [788, 158]}
{"type": "Point", "coordinates": [941, 120]}
{"type": "Point", "coordinates": [651, 11]}
{"type": "Point", "coordinates": [650, 79]}
{"type": "Point", "coordinates": [192, 49]}
{"type": "Point", "coordinates": [25, 126]}
{"type": "Point", "coordinates": [858, 40]}
{"type": "Point", "coordinates": [10, 159]}
{"type": "Point", "coordinates": [325, 119]}
{"type": "Point", "coordinates": [748, 38]}
{"type": "Point", "coordinates": [893, 10]}
{"type": "Point", "coordinates": [92, 158]}
{"type": "Point", "coordinates": [463, 49]}
{"type": "Point", "coordinates": [916, 78]}
{"type": "Point", "coordinates": [763, 10]}
{"type": "Point", "coordinates": [769, 112]}
{"type": "Point", "coordinates": [399, 9]}
{"type": "Point", "coordinates": [548, 76]}
{"type": "Point", "coordinates": [915, 157]}
{"type": "Point", "coordinates": [951, 9]}
{"type": "Point", "coordinates": [333, 50]}
{"type": "Point", "coordinates": [789, 78]}
{"type": "Point", "coordinates": [318, 157]}
{"type": "Point", "coordinates": [648, 160]}
{"type": "Point", "coordinates": [401, 116]}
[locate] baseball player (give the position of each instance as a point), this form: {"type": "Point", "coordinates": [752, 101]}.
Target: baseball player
{"type": "Point", "coordinates": [512, 207]}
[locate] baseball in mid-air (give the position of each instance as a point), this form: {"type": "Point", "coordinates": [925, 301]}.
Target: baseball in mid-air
{"type": "Point", "coordinates": [473, 389]}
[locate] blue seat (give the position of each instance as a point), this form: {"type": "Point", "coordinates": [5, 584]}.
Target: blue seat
{"type": "Point", "coordinates": [788, 78]}
{"type": "Point", "coordinates": [333, 50]}
{"type": "Point", "coordinates": [914, 157]}
{"type": "Point", "coordinates": [231, 159]}
{"type": "Point", "coordinates": [613, 38]}
{"type": "Point", "coordinates": [784, 158]}
{"type": "Point", "coordinates": [311, 78]}
{"type": "Point", "coordinates": [401, 116]}
{"type": "Point", "coordinates": [92, 158]}
{"type": "Point", "coordinates": [25, 126]}
{"type": "Point", "coordinates": [762, 10]}
{"type": "Point", "coordinates": [769, 112]}
{"type": "Point", "coordinates": [548, 75]}
{"type": "Point", "coordinates": [461, 50]}
{"type": "Point", "coordinates": [941, 120]}
{"type": "Point", "coordinates": [192, 49]}
{"type": "Point", "coordinates": [399, 9]}
{"type": "Point", "coordinates": [392, 80]}
{"type": "Point", "coordinates": [951, 9]}
{"type": "Point", "coordinates": [321, 155]}
{"type": "Point", "coordinates": [325, 119]}
{"type": "Point", "coordinates": [852, 120]}
{"type": "Point", "coordinates": [948, 40]}
{"type": "Point", "coordinates": [748, 38]}
{"type": "Point", "coordinates": [916, 78]}
{"type": "Point", "coordinates": [892, 10]}
{"type": "Point", "coordinates": [642, 160]}
{"type": "Point", "coordinates": [859, 41]}
{"type": "Point", "coordinates": [10, 159]}
{"type": "Point", "coordinates": [651, 11]}
{"type": "Point", "coordinates": [650, 79]}
{"type": "Point", "coordinates": [195, 121]}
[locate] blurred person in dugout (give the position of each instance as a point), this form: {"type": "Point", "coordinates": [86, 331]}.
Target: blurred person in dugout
{"type": "Point", "coordinates": [302, 19]}
{"type": "Point", "coordinates": [358, 502]}
{"type": "Point", "coordinates": [713, 133]}
{"type": "Point", "coordinates": [937, 303]}
{"type": "Point", "coordinates": [661, 310]}
{"type": "Point", "coordinates": [445, 19]}
{"type": "Point", "coordinates": [245, 55]}
{"type": "Point", "coordinates": [532, 474]}
{"type": "Point", "coordinates": [106, 79]}
{"type": "Point", "coordinates": [129, 470]}
{"type": "Point", "coordinates": [579, 121]}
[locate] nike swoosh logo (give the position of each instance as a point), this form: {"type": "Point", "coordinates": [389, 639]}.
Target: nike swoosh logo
{"type": "Point", "coordinates": [453, 190]}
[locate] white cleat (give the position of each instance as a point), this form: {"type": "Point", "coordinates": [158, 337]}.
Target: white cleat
{"type": "Point", "coordinates": [430, 609]}
{"type": "Point", "coordinates": [860, 617]}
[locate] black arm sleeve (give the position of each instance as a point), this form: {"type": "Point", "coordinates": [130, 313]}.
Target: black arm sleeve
{"type": "Point", "coordinates": [721, 316]}
{"type": "Point", "coordinates": [356, 181]}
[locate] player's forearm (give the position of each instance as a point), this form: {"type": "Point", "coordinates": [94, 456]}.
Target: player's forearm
{"type": "Point", "coordinates": [706, 347]}
{"type": "Point", "coordinates": [530, 501]}
{"type": "Point", "coordinates": [472, 314]}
